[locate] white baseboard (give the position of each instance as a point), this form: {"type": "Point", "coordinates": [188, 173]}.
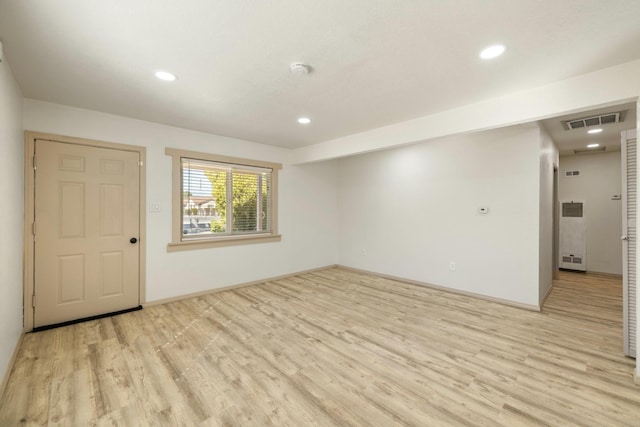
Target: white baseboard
{"type": "Point", "coordinates": [12, 361]}
{"type": "Point", "coordinates": [371, 273]}
{"type": "Point", "coordinates": [546, 295]}
{"type": "Point", "coordinates": [227, 288]}
{"type": "Point", "coordinates": [446, 289]}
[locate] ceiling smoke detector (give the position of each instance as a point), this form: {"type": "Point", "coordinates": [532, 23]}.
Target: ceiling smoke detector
{"type": "Point", "coordinates": [299, 69]}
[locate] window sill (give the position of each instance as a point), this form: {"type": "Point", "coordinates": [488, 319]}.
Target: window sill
{"type": "Point", "coordinates": [218, 242]}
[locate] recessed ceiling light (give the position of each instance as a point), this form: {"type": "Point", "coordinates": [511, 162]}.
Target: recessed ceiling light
{"type": "Point", "coordinates": [304, 120]}
{"type": "Point", "coordinates": [166, 76]}
{"type": "Point", "coordinates": [593, 145]}
{"type": "Point", "coordinates": [492, 51]}
{"type": "Point", "coordinates": [594, 131]}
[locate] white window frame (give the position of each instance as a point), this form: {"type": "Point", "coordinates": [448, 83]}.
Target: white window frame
{"type": "Point", "coordinates": [211, 241]}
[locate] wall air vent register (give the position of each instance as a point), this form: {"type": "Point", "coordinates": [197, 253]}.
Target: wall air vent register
{"type": "Point", "coordinates": [603, 119]}
{"type": "Point", "coordinates": [572, 237]}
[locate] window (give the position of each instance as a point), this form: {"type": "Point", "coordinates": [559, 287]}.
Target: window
{"type": "Point", "coordinates": [219, 201]}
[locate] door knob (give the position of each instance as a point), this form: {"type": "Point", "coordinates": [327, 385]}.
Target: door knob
{"type": "Point", "coordinates": [624, 238]}
{"type": "Point", "coordinates": [133, 240]}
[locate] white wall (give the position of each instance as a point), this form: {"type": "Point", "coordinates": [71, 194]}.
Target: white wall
{"type": "Point", "coordinates": [548, 160]}
{"type": "Point", "coordinates": [599, 180]}
{"type": "Point", "coordinates": [11, 214]}
{"type": "Point", "coordinates": [307, 203]}
{"type": "Point", "coordinates": [409, 211]}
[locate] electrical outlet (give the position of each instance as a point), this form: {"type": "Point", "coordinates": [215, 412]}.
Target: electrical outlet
{"type": "Point", "coordinates": [452, 266]}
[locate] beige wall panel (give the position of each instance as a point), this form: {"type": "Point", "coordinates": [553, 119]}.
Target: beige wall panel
{"type": "Point", "coordinates": [71, 279]}
{"type": "Point", "coordinates": [111, 273]}
{"type": "Point", "coordinates": [71, 209]}
{"type": "Point", "coordinates": [111, 210]}
{"type": "Point", "coordinates": [113, 167]}
{"type": "Point", "coordinates": [71, 163]}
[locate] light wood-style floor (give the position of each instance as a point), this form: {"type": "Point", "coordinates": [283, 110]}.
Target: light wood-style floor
{"type": "Point", "coordinates": [335, 348]}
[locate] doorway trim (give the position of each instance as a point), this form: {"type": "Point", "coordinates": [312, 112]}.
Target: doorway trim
{"type": "Point", "coordinates": [29, 214]}
{"type": "Point", "coordinates": [556, 225]}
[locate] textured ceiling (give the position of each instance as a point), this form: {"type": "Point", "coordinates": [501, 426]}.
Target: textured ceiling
{"type": "Point", "coordinates": [373, 62]}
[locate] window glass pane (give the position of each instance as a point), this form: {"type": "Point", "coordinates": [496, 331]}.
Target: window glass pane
{"type": "Point", "coordinates": [218, 181]}
{"type": "Point", "coordinates": [245, 202]}
{"type": "Point", "coordinates": [209, 187]}
{"type": "Point", "coordinates": [202, 214]}
{"type": "Point", "coordinates": [266, 202]}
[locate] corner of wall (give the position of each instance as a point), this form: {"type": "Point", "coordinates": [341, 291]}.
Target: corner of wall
{"type": "Point", "coordinates": [11, 212]}
{"type": "Point", "coordinates": [547, 222]}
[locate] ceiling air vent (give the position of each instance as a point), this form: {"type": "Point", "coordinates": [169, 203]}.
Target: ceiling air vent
{"type": "Point", "coordinates": [594, 120]}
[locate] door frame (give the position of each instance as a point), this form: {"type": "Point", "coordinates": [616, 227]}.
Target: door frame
{"type": "Point", "coordinates": [556, 224]}
{"type": "Point", "coordinates": [29, 214]}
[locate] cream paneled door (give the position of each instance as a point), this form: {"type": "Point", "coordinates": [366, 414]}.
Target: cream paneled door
{"type": "Point", "coordinates": [87, 225]}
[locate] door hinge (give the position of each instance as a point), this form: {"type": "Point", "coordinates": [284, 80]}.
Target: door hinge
{"type": "Point", "coordinates": [33, 228]}
{"type": "Point", "coordinates": [140, 163]}
{"type": "Point", "coordinates": [35, 164]}
{"type": "Point", "coordinates": [33, 300]}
